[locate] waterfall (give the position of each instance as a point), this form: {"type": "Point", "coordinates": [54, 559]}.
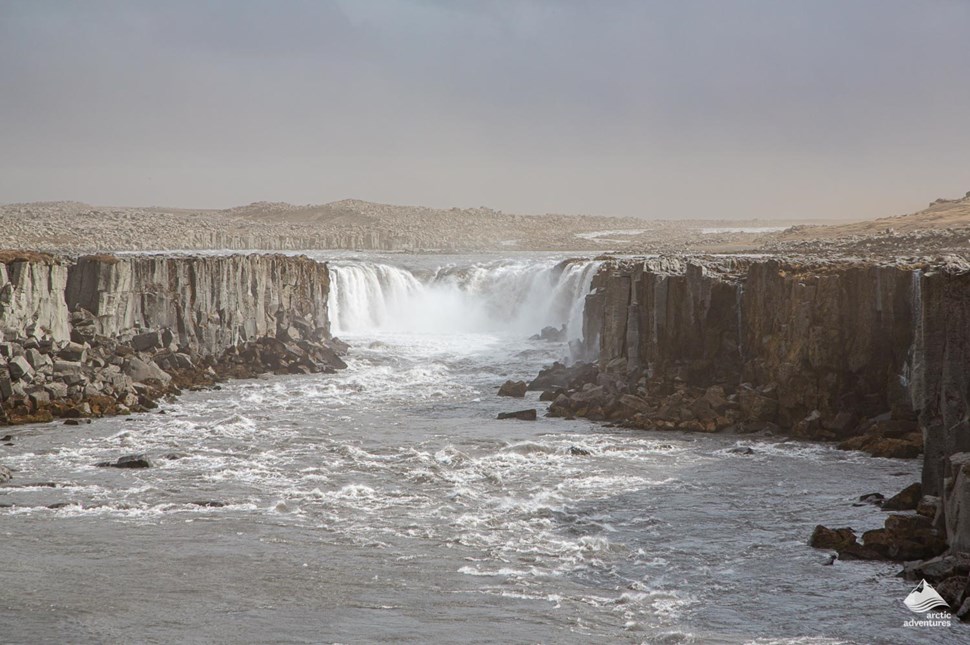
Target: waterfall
{"type": "Point", "coordinates": [519, 297]}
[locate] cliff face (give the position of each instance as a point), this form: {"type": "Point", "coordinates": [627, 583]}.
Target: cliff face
{"type": "Point", "coordinates": [110, 335]}
{"type": "Point", "coordinates": [940, 389]}
{"type": "Point", "coordinates": [211, 303]}
{"type": "Point", "coordinates": [873, 356]}
{"type": "Point", "coordinates": [32, 296]}
{"type": "Point", "coordinates": [832, 339]}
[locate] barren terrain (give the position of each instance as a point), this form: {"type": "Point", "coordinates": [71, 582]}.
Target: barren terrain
{"type": "Point", "coordinates": [75, 227]}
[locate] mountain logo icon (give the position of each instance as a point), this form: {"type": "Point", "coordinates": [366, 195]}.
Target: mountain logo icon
{"type": "Point", "coordinates": [924, 598]}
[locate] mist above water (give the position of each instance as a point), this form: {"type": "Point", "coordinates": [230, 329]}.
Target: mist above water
{"type": "Point", "coordinates": [509, 296]}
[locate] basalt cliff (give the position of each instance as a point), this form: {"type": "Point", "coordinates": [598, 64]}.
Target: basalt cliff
{"type": "Point", "coordinates": [874, 356]}
{"type": "Point", "coordinates": [111, 334]}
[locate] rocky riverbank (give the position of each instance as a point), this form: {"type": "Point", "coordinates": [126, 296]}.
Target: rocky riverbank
{"type": "Point", "coordinates": [870, 355]}
{"type": "Point", "coordinates": [104, 335]}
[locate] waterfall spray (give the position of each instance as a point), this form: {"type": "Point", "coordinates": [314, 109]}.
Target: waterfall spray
{"type": "Point", "coordinates": [519, 297]}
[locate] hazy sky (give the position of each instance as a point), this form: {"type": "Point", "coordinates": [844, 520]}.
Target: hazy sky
{"type": "Point", "coordinates": [680, 108]}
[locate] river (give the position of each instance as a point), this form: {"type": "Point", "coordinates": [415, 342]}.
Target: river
{"type": "Point", "coordinates": [386, 503]}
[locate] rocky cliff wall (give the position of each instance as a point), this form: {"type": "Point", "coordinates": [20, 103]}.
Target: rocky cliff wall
{"type": "Point", "coordinates": [874, 356]}
{"type": "Point", "coordinates": [211, 303]}
{"type": "Point", "coordinates": [32, 296]}
{"type": "Point", "coordinates": [110, 335]}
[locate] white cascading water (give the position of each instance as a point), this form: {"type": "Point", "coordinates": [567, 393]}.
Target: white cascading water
{"type": "Point", "coordinates": [518, 297]}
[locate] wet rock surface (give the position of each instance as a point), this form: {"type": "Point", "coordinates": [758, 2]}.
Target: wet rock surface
{"type": "Point", "coordinates": [520, 415]}
{"type": "Point", "coordinates": [515, 389]}
{"type": "Point", "coordinates": [871, 355]}
{"type": "Point", "coordinates": [905, 500]}
{"type": "Point", "coordinates": [128, 461]}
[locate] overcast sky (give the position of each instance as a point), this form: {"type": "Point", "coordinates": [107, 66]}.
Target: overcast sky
{"type": "Point", "coordinates": [680, 108]}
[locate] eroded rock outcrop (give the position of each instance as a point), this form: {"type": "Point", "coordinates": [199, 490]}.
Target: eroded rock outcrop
{"type": "Point", "coordinates": [110, 335]}
{"type": "Point", "coordinates": [209, 303]}
{"type": "Point", "coordinates": [871, 355]}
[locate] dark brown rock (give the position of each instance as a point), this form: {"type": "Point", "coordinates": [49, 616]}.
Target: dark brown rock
{"type": "Point", "coordinates": [953, 590]}
{"type": "Point", "coordinates": [515, 389]}
{"type": "Point", "coordinates": [755, 406]}
{"type": "Point", "coordinates": [74, 352]}
{"type": "Point", "coordinates": [826, 538]}
{"type": "Point", "coordinates": [905, 500]}
{"type": "Point", "coordinates": [929, 506]}
{"type": "Point", "coordinates": [938, 568]}
{"type": "Point", "coordinates": [521, 415]}
{"type": "Point", "coordinates": [560, 376]}
{"type": "Point", "coordinates": [885, 447]}
{"type": "Point", "coordinates": [19, 368]}
{"type": "Point", "coordinates": [872, 498]}
{"type": "Point", "coordinates": [128, 461]}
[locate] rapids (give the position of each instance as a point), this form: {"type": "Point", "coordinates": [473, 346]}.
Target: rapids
{"type": "Point", "coordinates": [386, 504]}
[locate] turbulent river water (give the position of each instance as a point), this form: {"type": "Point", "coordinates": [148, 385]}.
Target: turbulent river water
{"type": "Point", "coordinates": [386, 504]}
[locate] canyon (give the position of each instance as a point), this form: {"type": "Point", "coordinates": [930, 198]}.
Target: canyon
{"type": "Point", "coordinates": [868, 354]}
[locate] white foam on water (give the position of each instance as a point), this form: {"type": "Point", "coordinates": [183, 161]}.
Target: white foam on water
{"type": "Point", "coordinates": [400, 452]}
{"type": "Point", "coordinates": [505, 296]}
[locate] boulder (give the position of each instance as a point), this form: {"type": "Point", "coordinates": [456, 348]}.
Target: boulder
{"type": "Point", "coordinates": [877, 446]}
{"type": "Point", "coordinates": [37, 360]}
{"type": "Point", "coordinates": [635, 403]}
{"type": "Point", "coordinates": [826, 538]}
{"type": "Point", "coordinates": [841, 424]}
{"type": "Point", "coordinates": [551, 334]}
{"type": "Point", "coordinates": [147, 341]}
{"type": "Point", "coordinates": [184, 361]}
{"type": "Point", "coordinates": [513, 388]}
{"type": "Point", "coordinates": [939, 568]}
{"type": "Point", "coordinates": [561, 407]}
{"type": "Point", "coordinates": [139, 371]}
{"type": "Point", "coordinates": [905, 500]}
{"type": "Point", "coordinates": [587, 394]}
{"type": "Point", "coordinates": [963, 613]}
{"type": "Point", "coordinates": [873, 498]}
{"type": "Point", "coordinates": [521, 415]}
{"type": "Point", "coordinates": [715, 397]}
{"type": "Point", "coordinates": [20, 368]}
{"type": "Point", "coordinates": [69, 372]}
{"type": "Point", "coordinates": [338, 346]}
{"type": "Point", "coordinates": [755, 406]}
{"type": "Point", "coordinates": [128, 461]}
{"type": "Point", "coordinates": [75, 352]}
{"type": "Point", "coordinates": [38, 398]}
{"type": "Point", "coordinates": [906, 537]}
{"type": "Point", "coordinates": [5, 474]}
{"type": "Point", "coordinates": [953, 590]}
{"type": "Point", "coordinates": [560, 376]}
{"type": "Point", "coordinates": [62, 367]}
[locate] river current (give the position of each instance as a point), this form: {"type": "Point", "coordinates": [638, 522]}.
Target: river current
{"type": "Point", "coordinates": [386, 503]}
